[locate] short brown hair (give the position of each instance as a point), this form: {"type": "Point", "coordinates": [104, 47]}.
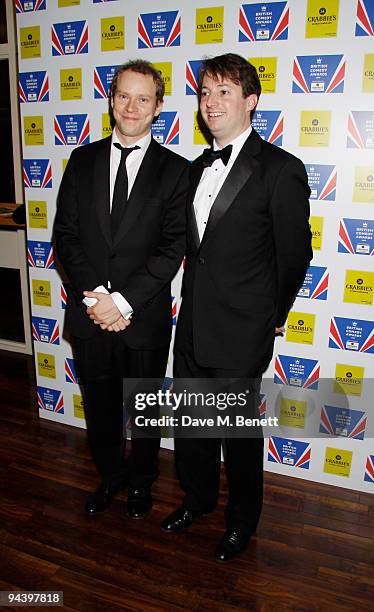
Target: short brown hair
{"type": "Point", "coordinates": [142, 67]}
{"type": "Point", "coordinates": [235, 68]}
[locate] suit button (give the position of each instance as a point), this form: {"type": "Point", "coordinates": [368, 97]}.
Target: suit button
{"type": "Point", "coordinates": [112, 256]}
{"type": "Point", "coordinates": [201, 261]}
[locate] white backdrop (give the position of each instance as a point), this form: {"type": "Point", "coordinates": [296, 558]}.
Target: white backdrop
{"type": "Point", "coordinates": [316, 63]}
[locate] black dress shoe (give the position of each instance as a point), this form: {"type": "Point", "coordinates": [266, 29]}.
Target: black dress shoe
{"type": "Point", "coordinates": [139, 503]}
{"type": "Point", "coordinates": [233, 542]}
{"type": "Point", "coordinates": [101, 500]}
{"type": "Point", "coordinates": [179, 519]}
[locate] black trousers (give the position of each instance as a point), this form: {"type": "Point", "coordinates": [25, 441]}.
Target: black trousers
{"type": "Point", "coordinates": [198, 460]}
{"type": "Point", "coordinates": [104, 362]}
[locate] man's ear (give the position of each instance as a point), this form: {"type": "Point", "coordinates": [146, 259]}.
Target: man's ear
{"type": "Point", "coordinates": [251, 102]}
{"type": "Point", "coordinates": [159, 107]}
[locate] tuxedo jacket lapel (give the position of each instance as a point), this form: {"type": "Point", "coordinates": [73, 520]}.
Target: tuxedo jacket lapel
{"type": "Point", "coordinates": [195, 176]}
{"type": "Point", "coordinates": [101, 188]}
{"type": "Point", "coordinates": [145, 178]}
{"type": "Point", "coordinates": [239, 174]}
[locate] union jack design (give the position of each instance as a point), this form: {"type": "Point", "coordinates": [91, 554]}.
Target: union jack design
{"type": "Point", "coordinates": [26, 6]}
{"type": "Point", "coordinates": [365, 18]}
{"type": "Point", "coordinates": [51, 330]}
{"type": "Point", "coordinates": [369, 471]}
{"type": "Point", "coordinates": [50, 399]}
{"type": "Point", "coordinates": [102, 81]}
{"type": "Point", "coordinates": [44, 169]}
{"type": "Point", "coordinates": [145, 28]}
{"type": "Point", "coordinates": [354, 138]}
{"type": "Point", "coordinates": [358, 344]}
{"type": "Point", "coordinates": [82, 137]}
{"type": "Point", "coordinates": [352, 423]}
{"type": "Point", "coordinates": [43, 94]}
{"type": "Point", "coordinates": [310, 378]}
{"type": "Point", "coordinates": [298, 457]}
{"type": "Point", "coordinates": [300, 82]}
{"type": "Point", "coordinates": [174, 309]}
{"type": "Point", "coordinates": [192, 75]}
{"type": "Point", "coordinates": [48, 263]}
{"type": "Point", "coordinates": [64, 297]}
{"type": "Point", "coordinates": [70, 371]}
{"type": "Point", "coordinates": [246, 33]}
{"type": "Point", "coordinates": [58, 46]}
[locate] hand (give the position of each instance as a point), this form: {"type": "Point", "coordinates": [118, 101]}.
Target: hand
{"type": "Point", "coordinates": [120, 325]}
{"type": "Point", "coordinates": [280, 330]}
{"type": "Point", "coordinates": [104, 312]}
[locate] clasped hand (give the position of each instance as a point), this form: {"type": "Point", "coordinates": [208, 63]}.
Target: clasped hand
{"type": "Point", "coordinates": [105, 313]}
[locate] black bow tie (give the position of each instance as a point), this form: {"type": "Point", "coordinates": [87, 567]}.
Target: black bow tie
{"type": "Point", "coordinates": [210, 156]}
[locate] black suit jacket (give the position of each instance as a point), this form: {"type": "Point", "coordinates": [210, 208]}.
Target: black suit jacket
{"type": "Point", "coordinates": [241, 281]}
{"type": "Point", "coordinates": [146, 251]}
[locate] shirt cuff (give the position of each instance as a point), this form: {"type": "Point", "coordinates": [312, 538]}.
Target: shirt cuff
{"type": "Point", "coordinates": [122, 304]}
{"type": "Point", "coordinates": [92, 301]}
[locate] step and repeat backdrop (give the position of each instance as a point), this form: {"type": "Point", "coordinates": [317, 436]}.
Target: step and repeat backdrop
{"type": "Point", "coordinates": [315, 59]}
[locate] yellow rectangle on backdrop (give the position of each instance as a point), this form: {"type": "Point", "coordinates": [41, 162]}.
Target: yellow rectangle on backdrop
{"type": "Point", "coordinates": [106, 128]}
{"type": "Point", "coordinates": [358, 287]}
{"type": "Point", "coordinates": [315, 128]}
{"type": "Point", "coordinates": [198, 135]}
{"type": "Point", "coordinates": [29, 42]}
{"type": "Point", "coordinates": [41, 292]}
{"type": "Point", "coordinates": [78, 406]}
{"type": "Point", "coordinates": [322, 18]}
{"type": "Point", "coordinates": [165, 70]}
{"type": "Point", "coordinates": [209, 25]}
{"type": "Point", "coordinates": [37, 214]}
{"type": "Point", "coordinates": [292, 413]}
{"type": "Point", "coordinates": [33, 130]}
{"type": "Point", "coordinates": [363, 188]}
{"type": "Point", "coordinates": [71, 83]}
{"type": "Point", "coordinates": [300, 327]}
{"type": "Point", "coordinates": [338, 462]}
{"type": "Point", "coordinates": [316, 227]}
{"type": "Point", "coordinates": [63, 3]}
{"type": "Point", "coordinates": [267, 72]}
{"type": "Point", "coordinates": [46, 365]}
{"type": "Point", "coordinates": [368, 74]}
{"type": "Point", "coordinates": [348, 379]}
{"type": "Point", "coordinates": [112, 33]}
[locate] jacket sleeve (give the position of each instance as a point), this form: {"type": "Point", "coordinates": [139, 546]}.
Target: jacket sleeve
{"type": "Point", "coordinates": [71, 255]}
{"type": "Point", "coordinates": [163, 263]}
{"type": "Point", "coordinates": [292, 235]}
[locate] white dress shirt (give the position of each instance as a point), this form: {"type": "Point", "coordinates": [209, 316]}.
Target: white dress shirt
{"type": "Point", "coordinates": [133, 163]}
{"type": "Point", "coordinates": [212, 180]}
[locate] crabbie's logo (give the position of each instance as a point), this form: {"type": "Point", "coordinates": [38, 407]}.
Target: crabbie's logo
{"type": "Point", "coordinates": [37, 214]}
{"type": "Point", "coordinates": [292, 413]}
{"type": "Point", "coordinates": [338, 462]}
{"type": "Point", "coordinates": [113, 33]}
{"type": "Point", "coordinates": [359, 286]}
{"type": "Point", "coordinates": [33, 130]}
{"type": "Point", "coordinates": [165, 70]}
{"type": "Point", "coordinates": [46, 365]}
{"type": "Point", "coordinates": [300, 327]}
{"type": "Point", "coordinates": [322, 18]}
{"type": "Point", "coordinates": [71, 84]}
{"type": "Point", "coordinates": [263, 21]}
{"type": "Point", "coordinates": [363, 190]}
{"type": "Point", "coordinates": [30, 42]}
{"type": "Point", "coordinates": [315, 128]}
{"type": "Point", "coordinates": [41, 292]}
{"type": "Point", "coordinates": [159, 30]}
{"type": "Point", "coordinates": [209, 25]}
{"type": "Point", "coordinates": [348, 379]}
{"type": "Point", "coordinates": [267, 72]}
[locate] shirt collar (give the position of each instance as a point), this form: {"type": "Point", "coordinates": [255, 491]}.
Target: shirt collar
{"type": "Point", "coordinates": [238, 142]}
{"type": "Point", "coordinates": [143, 143]}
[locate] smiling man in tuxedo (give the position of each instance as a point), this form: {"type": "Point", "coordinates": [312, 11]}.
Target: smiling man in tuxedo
{"type": "Point", "coordinates": [248, 248]}
{"type": "Point", "coordinates": [120, 237]}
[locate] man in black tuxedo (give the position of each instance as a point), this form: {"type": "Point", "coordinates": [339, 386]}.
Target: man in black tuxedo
{"type": "Point", "coordinates": [120, 237]}
{"type": "Point", "coordinates": [248, 248]}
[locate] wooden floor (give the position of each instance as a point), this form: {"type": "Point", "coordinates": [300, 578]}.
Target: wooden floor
{"type": "Point", "coordinates": [314, 549]}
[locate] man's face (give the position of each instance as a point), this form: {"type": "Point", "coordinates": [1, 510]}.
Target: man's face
{"type": "Point", "coordinates": [134, 106]}
{"type": "Point", "coordinates": [224, 110]}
